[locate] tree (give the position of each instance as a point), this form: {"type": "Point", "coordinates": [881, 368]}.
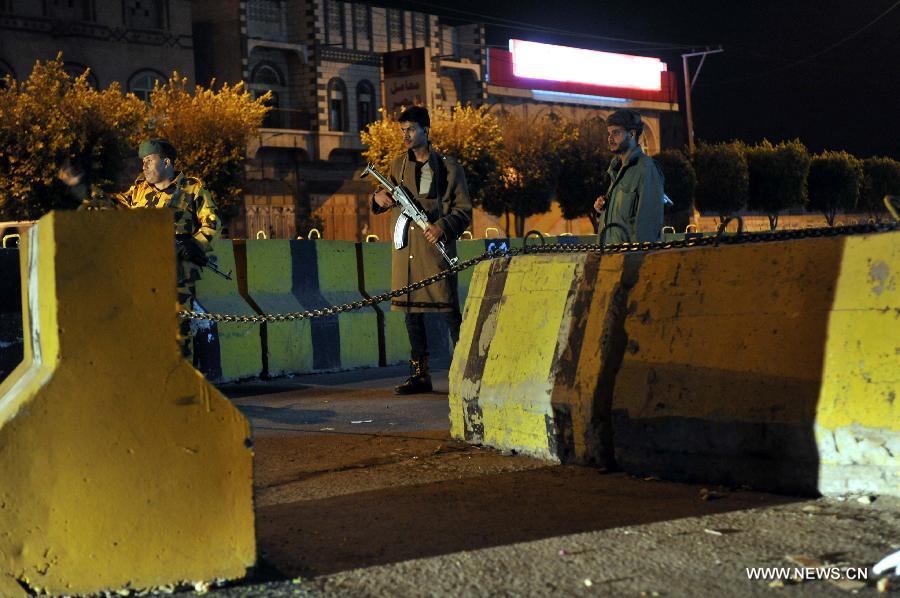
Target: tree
{"type": "Point", "coordinates": [210, 129]}
{"type": "Point", "coordinates": [722, 178]}
{"type": "Point", "coordinates": [469, 134]}
{"type": "Point", "coordinates": [680, 184]}
{"type": "Point", "coordinates": [472, 136]}
{"type": "Point", "coordinates": [51, 118]}
{"type": "Point", "coordinates": [881, 176]}
{"type": "Point", "coordinates": [529, 167]}
{"type": "Point", "coordinates": [834, 181]}
{"type": "Point", "coordinates": [383, 142]}
{"type": "Point", "coordinates": [582, 171]}
{"type": "Point", "coordinates": [777, 177]}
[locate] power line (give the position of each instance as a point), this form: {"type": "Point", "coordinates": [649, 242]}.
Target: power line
{"type": "Point", "coordinates": [525, 26]}
{"type": "Point", "coordinates": [813, 56]}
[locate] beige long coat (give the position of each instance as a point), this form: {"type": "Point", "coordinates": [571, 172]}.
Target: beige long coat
{"type": "Point", "coordinates": [448, 206]}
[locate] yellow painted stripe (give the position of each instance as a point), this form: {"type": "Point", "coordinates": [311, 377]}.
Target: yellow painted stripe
{"type": "Point", "coordinates": [861, 375]}
{"type": "Point", "coordinates": [516, 386]}
{"type": "Point", "coordinates": [513, 424]}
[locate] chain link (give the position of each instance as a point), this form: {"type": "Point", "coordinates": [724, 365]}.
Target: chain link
{"type": "Point", "coordinates": [698, 241]}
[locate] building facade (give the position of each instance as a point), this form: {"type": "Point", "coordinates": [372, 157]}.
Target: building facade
{"type": "Point", "coordinates": [133, 42]}
{"type": "Point", "coordinates": [329, 66]}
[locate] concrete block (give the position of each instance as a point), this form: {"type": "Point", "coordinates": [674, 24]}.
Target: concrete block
{"type": "Point", "coordinates": [772, 365]}
{"type": "Point", "coordinates": [537, 351]}
{"type": "Point", "coordinates": [121, 466]}
{"type": "Point", "coordinates": [230, 350]}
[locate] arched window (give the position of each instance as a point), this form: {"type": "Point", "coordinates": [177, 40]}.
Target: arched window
{"type": "Point", "coordinates": [267, 74]}
{"type": "Point", "coordinates": [75, 70]}
{"type": "Point", "coordinates": [142, 83]}
{"type": "Point", "coordinates": [365, 104]}
{"type": "Point", "coordinates": [648, 140]}
{"type": "Point", "coordinates": [266, 77]}
{"type": "Point", "coordinates": [337, 105]}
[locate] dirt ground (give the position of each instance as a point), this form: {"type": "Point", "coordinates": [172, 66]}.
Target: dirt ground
{"type": "Point", "coordinates": [356, 496]}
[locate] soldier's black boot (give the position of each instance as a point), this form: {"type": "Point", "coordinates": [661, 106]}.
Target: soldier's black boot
{"type": "Point", "coordinates": [419, 379]}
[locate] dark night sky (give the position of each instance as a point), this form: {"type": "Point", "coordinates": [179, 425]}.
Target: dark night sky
{"type": "Point", "coordinates": [773, 81]}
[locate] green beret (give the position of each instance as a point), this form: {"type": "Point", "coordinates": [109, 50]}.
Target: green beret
{"type": "Point", "coordinates": [157, 146]}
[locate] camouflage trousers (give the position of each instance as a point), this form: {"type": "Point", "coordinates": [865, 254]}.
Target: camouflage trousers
{"type": "Point", "coordinates": [188, 275]}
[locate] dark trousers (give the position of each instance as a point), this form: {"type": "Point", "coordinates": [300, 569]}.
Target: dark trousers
{"type": "Point", "coordinates": [418, 339]}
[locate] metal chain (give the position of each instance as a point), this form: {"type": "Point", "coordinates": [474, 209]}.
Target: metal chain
{"type": "Point", "coordinates": [699, 241]}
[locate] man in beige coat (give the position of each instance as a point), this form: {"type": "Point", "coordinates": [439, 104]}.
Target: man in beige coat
{"type": "Point", "coordinates": [438, 183]}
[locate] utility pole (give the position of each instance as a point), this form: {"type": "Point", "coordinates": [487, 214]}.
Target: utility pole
{"type": "Point", "coordinates": [689, 84]}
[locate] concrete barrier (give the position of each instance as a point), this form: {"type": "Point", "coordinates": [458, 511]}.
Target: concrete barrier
{"type": "Point", "coordinates": [270, 288]}
{"type": "Point", "coordinates": [393, 341]}
{"type": "Point", "coordinates": [326, 273]}
{"type": "Point", "coordinates": [121, 466]}
{"type": "Point", "coordinates": [772, 365]}
{"type": "Point", "coordinates": [534, 365]}
{"type": "Point", "coordinates": [231, 350]}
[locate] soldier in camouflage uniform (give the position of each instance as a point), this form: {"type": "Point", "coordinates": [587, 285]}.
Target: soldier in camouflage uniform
{"type": "Point", "coordinates": [196, 220]}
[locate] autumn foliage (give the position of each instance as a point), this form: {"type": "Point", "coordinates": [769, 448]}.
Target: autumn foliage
{"type": "Point", "coordinates": [51, 118]}
{"type": "Point", "coordinates": [210, 129]}
{"type": "Point", "coordinates": [469, 134]}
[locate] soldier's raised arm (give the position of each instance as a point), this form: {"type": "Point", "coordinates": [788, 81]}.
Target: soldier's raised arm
{"type": "Point", "coordinates": [91, 196]}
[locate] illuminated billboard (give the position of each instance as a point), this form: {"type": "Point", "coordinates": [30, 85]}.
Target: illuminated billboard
{"type": "Point", "coordinates": [533, 60]}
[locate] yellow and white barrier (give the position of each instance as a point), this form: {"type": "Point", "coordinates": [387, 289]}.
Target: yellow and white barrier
{"type": "Point", "coordinates": [773, 364]}
{"type": "Point", "coordinates": [120, 465]}
{"type": "Point", "coordinates": [532, 369]}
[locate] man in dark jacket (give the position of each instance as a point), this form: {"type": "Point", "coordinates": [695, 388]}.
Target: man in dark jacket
{"type": "Point", "coordinates": [632, 209]}
{"type": "Point", "coordinates": [438, 184]}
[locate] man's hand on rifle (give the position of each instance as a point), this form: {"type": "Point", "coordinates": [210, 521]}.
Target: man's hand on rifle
{"type": "Point", "coordinates": [384, 200]}
{"type": "Point", "coordinates": [433, 233]}
{"type": "Point", "coordinates": [186, 248]}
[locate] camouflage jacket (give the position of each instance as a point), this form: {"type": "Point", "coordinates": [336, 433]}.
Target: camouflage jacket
{"type": "Point", "coordinates": [193, 206]}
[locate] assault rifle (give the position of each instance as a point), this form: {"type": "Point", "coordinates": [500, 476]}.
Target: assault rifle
{"type": "Point", "coordinates": [186, 248]}
{"type": "Point", "coordinates": [408, 211]}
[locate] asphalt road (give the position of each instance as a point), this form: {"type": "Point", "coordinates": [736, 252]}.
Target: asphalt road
{"type": "Point", "coordinates": [361, 493]}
